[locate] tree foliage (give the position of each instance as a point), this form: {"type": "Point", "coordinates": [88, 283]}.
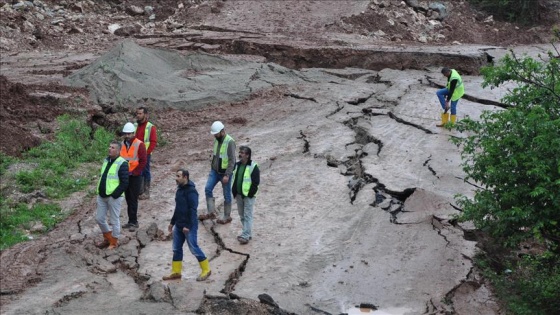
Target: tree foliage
{"type": "Point", "coordinates": [514, 154]}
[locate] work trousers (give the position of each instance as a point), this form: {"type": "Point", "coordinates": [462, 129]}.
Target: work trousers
{"type": "Point", "coordinates": [131, 194]}
{"type": "Point", "coordinates": [112, 207]}
{"type": "Point", "coordinates": [441, 94]}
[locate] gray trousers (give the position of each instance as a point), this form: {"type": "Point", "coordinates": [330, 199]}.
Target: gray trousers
{"type": "Point", "coordinates": [112, 207]}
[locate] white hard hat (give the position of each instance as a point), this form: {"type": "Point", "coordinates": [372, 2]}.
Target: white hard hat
{"type": "Point", "coordinates": [217, 126]}
{"type": "Point", "coordinates": [129, 128]}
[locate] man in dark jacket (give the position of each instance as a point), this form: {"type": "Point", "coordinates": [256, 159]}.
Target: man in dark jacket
{"type": "Point", "coordinates": [184, 225]}
{"type": "Point", "coordinates": [246, 180]}
{"type": "Point", "coordinates": [147, 133]}
{"type": "Point", "coordinates": [134, 151]}
{"type": "Point", "coordinates": [110, 189]}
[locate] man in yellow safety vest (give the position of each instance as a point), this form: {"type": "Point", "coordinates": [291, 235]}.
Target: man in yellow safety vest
{"type": "Point", "coordinates": [450, 95]}
{"type": "Point", "coordinates": [245, 186]}
{"type": "Point", "coordinates": [110, 188]}
{"type": "Point", "coordinates": [147, 133]}
{"type": "Point", "coordinates": [223, 161]}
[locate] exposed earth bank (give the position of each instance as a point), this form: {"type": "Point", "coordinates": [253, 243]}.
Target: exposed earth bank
{"type": "Point", "coordinates": [357, 197]}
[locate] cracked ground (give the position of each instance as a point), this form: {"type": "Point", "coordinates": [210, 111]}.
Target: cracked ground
{"type": "Point", "coordinates": [356, 203]}
{"type": "Point", "coordinates": [355, 206]}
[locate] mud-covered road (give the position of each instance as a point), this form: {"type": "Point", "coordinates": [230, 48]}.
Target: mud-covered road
{"type": "Point", "coordinates": [356, 203]}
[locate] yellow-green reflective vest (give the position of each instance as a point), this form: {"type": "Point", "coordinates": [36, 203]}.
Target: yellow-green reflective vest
{"type": "Point", "coordinates": [223, 150]}
{"type": "Point", "coordinates": [112, 176]}
{"type": "Point", "coordinates": [459, 88]}
{"type": "Point", "coordinates": [147, 133]}
{"type": "Point", "coordinates": [246, 185]}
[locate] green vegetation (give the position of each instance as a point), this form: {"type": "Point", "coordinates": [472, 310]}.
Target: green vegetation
{"type": "Point", "coordinates": [521, 11]}
{"type": "Point", "coordinates": [514, 155]}
{"type": "Point", "coordinates": [59, 168]}
{"type": "Point", "coordinates": [15, 219]}
{"type": "Point", "coordinates": [5, 162]}
{"type": "Point", "coordinates": [72, 147]}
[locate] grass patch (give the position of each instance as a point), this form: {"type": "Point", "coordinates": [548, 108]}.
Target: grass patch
{"type": "Point", "coordinates": [64, 166]}
{"type": "Point", "coordinates": [74, 145]}
{"type": "Point", "coordinates": [17, 219]}
{"type": "Point", "coordinates": [527, 284]}
{"type": "Point", "coordinates": [5, 162]}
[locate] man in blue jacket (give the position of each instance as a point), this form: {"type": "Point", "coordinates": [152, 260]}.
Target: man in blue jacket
{"type": "Point", "coordinates": [184, 225]}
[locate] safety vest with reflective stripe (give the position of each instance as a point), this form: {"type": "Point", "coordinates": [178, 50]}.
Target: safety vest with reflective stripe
{"type": "Point", "coordinates": [147, 133]}
{"type": "Point", "coordinates": [112, 180]}
{"type": "Point", "coordinates": [223, 150]}
{"type": "Point", "coordinates": [246, 185]}
{"type": "Point", "coordinates": [459, 88]}
{"type": "Point", "coordinates": [131, 155]}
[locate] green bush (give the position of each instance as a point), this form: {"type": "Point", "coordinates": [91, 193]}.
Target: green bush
{"type": "Point", "coordinates": [514, 156]}
{"type": "Point", "coordinates": [529, 286]}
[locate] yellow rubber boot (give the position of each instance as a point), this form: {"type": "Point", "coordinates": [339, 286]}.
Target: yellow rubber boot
{"type": "Point", "coordinates": [206, 272]}
{"type": "Point", "coordinates": [444, 120]}
{"type": "Point", "coordinates": [453, 118]}
{"type": "Point", "coordinates": [176, 267]}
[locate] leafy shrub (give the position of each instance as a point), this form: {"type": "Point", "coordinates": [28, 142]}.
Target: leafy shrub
{"type": "Point", "coordinates": [513, 155]}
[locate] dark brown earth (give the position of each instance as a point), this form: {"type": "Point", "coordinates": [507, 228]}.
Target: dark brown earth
{"type": "Point", "coordinates": [28, 108]}
{"type": "Point", "coordinates": [86, 30]}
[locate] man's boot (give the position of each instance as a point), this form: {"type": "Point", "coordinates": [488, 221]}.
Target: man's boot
{"type": "Point", "coordinates": [146, 194]}
{"type": "Point", "coordinates": [113, 242]}
{"type": "Point", "coordinates": [227, 214]}
{"type": "Point", "coordinates": [142, 185]}
{"type": "Point", "coordinates": [211, 206]}
{"type": "Point", "coordinates": [106, 241]}
{"type": "Point", "coordinates": [176, 267]}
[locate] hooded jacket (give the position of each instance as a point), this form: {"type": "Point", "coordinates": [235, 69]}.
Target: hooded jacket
{"type": "Point", "coordinates": [186, 203]}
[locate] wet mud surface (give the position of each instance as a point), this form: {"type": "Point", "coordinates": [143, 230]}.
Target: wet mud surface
{"type": "Point", "coordinates": [356, 202]}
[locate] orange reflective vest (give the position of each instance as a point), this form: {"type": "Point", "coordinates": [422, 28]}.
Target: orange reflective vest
{"type": "Point", "coordinates": [131, 154]}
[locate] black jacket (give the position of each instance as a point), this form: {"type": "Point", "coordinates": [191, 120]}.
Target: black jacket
{"type": "Point", "coordinates": [123, 179]}
{"type": "Point", "coordinates": [186, 203]}
{"type": "Point", "coordinates": [255, 180]}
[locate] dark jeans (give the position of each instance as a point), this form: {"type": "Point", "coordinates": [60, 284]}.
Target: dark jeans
{"type": "Point", "coordinates": [131, 194]}
{"type": "Point", "coordinates": [179, 239]}
{"type": "Point", "coordinates": [146, 172]}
